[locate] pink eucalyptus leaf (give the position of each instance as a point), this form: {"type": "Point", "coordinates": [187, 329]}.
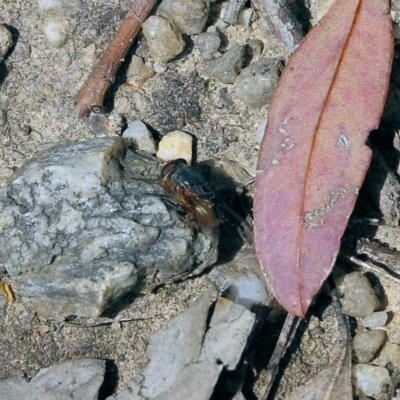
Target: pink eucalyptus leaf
{"type": "Point", "coordinates": [313, 157]}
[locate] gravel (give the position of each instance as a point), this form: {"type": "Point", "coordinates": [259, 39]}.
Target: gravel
{"type": "Point", "coordinates": [189, 15]}
{"type": "Point", "coordinates": [366, 344]}
{"type": "Point", "coordinates": [163, 38]}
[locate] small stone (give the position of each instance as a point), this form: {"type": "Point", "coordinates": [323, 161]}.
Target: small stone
{"type": "Point", "coordinates": [160, 68]}
{"type": "Point", "coordinates": [359, 298]}
{"type": "Point", "coordinates": [375, 320]}
{"type": "Point", "coordinates": [189, 15]}
{"type": "Point", "coordinates": [140, 137]}
{"type": "Point", "coordinates": [241, 279]}
{"type": "Point", "coordinates": [96, 123]}
{"type": "Point", "coordinates": [116, 326]}
{"type": "Point", "coordinates": [137, 68]}
{"type": "Point", "coordinates": [244, 17]}
{"type": "Point", "coordinates": [207, 44]}
{"type": "Point", "coordinates": [47, 89]}
{"type": "Point", "coordinates": [369, 380]}
{"type": "Point", "coordinates": [220, 24]}
{"type": "Point", "coordinates": [256, 83]}
{"type": "Point", "coordinates": [100, 125]}
{"type": "Point", "coordinates": [247, 290]}
{"type": "Point", "coordinates": [228, 66]}
{"type": "Point", "coordinates": [390, 354]}
{"type": "Point", "coordinates": [21, 52]}
{"type": "Point", "coordinates": [176, 144]}
{"type": "Point", "coordinates": [366, 344]}
{"type": "Point", "coordinates": [55, 30]}
{"type": "Point", "coordinates": [255, 48]}
{"type": "Point", "coordinates": [163, 38]}
{"type": "Point", "coordinates": [3, 117]}
{"type": "Point", "coordinates": [6, 41]}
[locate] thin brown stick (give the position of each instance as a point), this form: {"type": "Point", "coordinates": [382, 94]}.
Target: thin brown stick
{"type": "Point", "coordinates": [91, 96]}
{"type": "Point", "coordinates": [285, 338]}
{"type": "Point", "coordinates": [281, 22]}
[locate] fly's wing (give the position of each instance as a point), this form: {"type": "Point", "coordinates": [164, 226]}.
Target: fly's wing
{"type": "Point", "coordinates": [200, 208]}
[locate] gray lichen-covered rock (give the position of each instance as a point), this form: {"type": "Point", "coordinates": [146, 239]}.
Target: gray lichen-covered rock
{"type": "Point", "coordinates": [163, 38]}
{"type": "Point", "coordinates": [227, 67]}
{"type": "Point", "coordinates": [256, 83]}
{"type": "Point", "coordinates": [85, 223]}
{"type": "Point", "coordinates": [72, 379]}
{"type": "Point", "coordinates": [190, 15]}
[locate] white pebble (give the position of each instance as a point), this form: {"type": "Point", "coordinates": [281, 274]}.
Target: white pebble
{"type": "Point", "coordinates": [140, 136]}
{"type": "Point", "coordinates": [176, 144]}
{"type": "Point", "coordinates": [160, 68]}
{"type": "Point", "coordinates": [55, 30]}
{"type": "Point", "coordinates": [247, 290]}
{"type": "Point", "coordinates": [376, 319]}
{"type": "Point", "coordinates": [359, 298]}
{"type": "Point", "coordinates": [369, 379]}
{"type": "Point", "coordinates": [244, 17]}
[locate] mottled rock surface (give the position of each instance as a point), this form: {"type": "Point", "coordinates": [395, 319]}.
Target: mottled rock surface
{"type": "Point", "coordinates": [74, 379]}
{"type": "Point", "coordinates": [163, 38]}
{"type": "Point", "coordinates": [6, 41]}
{"type": "Point", "coordinates": [227, 67]}
{"type": "Point", "coordinates": [359, 298]}
{"type": "Point", "coordinates": [207, 44]}
{"type": "Point", "coordinates": [190, 15]}
{"type": "Point", "coordinates": [186, 358]}
{"type": "Point", "coordinates": [256, 83]}
{"type": "Point", "coordinates": [366, 344]}
{"type": "Point", "coordinates": [85, 223]}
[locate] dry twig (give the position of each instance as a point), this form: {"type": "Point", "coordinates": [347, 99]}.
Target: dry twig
{"type": "Point", "coordinates": [90, 97]}
{"type": "Point", "coordinates": [285, 338]}
{"type": "Point", "coordinates": [281, 22]}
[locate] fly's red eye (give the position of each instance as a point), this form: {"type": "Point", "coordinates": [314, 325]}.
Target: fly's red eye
{"type": "Point", "coordinates": [167, 169]}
